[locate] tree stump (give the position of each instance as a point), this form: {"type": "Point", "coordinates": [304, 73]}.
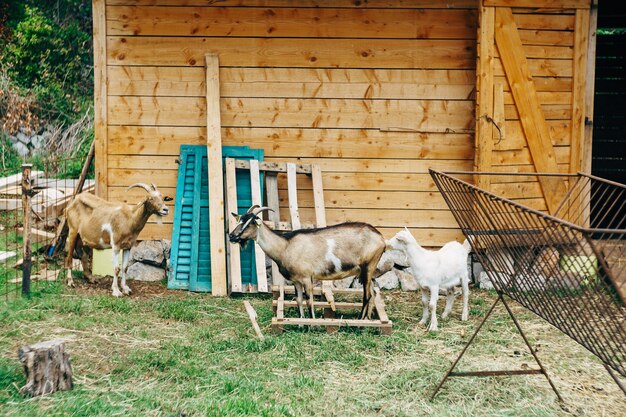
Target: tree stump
{"type": "Point", "coordinates": [47, 368]}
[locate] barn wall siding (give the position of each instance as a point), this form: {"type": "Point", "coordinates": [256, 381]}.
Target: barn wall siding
{"type": "Point", "coordinates": [375, 93]}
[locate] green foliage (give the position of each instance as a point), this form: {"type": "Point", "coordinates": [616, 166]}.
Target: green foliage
{"type": "Point", "coordinates": [52, 60]}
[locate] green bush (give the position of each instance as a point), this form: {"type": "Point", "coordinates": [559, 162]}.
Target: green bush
{"type": "Point", "coordinates": [53, 61]}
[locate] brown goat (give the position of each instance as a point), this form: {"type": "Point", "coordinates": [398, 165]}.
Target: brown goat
{"type": "Point", "coordinates": [101, 224]}
{"type": "Point", "coordinates": [327, 253]}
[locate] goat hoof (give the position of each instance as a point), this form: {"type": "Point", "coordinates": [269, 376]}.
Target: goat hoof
{"type": "Point", "coordinates": [464, 317]}
{"type": "Point", "coordinates": [126, 290]}
{"type": "Point", "coordinates": [117, 293]}
{"type": "Point", "coordinates": [432, 328]}
{"type": "Point", "coordinates": [71, 285]}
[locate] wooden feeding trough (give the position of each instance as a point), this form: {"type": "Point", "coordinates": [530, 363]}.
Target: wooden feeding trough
{"type": "Point", "coordinates": [325, 300]}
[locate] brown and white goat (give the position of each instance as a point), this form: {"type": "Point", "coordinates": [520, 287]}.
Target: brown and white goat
{"type": "Point", "coordinates": [101, 224]}
{"type": "Point", "coordinates": [327, 253]}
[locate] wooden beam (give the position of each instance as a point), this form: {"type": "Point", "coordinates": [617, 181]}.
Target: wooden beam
{"type": "Point", "coordinates": [581, 40]}
{"type": "Point", "coordinates": [531, 116]}
{"type": "Point", "coordinates": [100, 96]}
{"type": "Point", "coordinates": [543, 4]}
{"type": "Point", "coordinates": [484, 110]}
{"type": "Point", "coordinates": [216, 182]}
{"type": "Point", "coordinates": [273, 202]}
{"type": "Point", "coordinates": [589, 89]}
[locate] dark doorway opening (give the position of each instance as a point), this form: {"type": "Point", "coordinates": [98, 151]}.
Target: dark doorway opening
{"type": "Point", "coordinates": [609, 125]}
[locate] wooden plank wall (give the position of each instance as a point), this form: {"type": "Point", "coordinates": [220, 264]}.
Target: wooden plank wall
{"type": "Point", "coordinates": [548, 38]}
{"type": "Point", "coordinates": [375, 94]}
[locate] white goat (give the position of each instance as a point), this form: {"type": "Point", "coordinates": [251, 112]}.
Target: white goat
{"type": "Point", "coordinates": [100, 224]}
{"type": "Point", "coordinates": [327, 253]}
{"type": "Point", "coordinates": [435, 270]}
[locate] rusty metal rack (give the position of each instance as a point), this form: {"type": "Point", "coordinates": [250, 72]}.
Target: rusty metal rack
{"type": "Point", "coordinates": [564, 260]}
{"type": "Point", "coordinates": [325, 295]}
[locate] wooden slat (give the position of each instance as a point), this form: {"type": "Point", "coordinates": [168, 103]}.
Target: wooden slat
{"type": "Point", "coordinates": [298, 142]}
{"type": "Point", "coordinates": [289, 83]}
{"type": "Point", "coordinates": [580, 80]}
{"type": "Point", "coordinates": [524, 156]}
{"type": "Point", "coordinates": [549, 111]}
{"type": "Point", "coordinates": [275, 167]}
{"type": "Point", "coordinates": [259, 255]}
{"type": "Point", "coordinates": [376, 4]}
{"type": "Point", "coordinates": [380, 217]}
{"type": "Point", "coordinates": [560, 133]}
{"type": "Point", "coordinates": [297, 82]}
{"type": "Point", "coordinates": [541, 67]}
{"type": "Point", "coordinates": [293, 196]}
{"type": "Point", "coordinates": [252, 315]}
{"type": "Point", "coordinates": [216, 181]}
{"type": "Point", "coordinates": [548, 4]}
{"type": "Point", "coordinates": [408, 200]}
{"type": "Point", "coordinates": [544, 21]}
{"type": "Point", "coordinates": [543, 84]}
{"type": "Point", "coordinates": [271, 191]}
{"type": "Point", "coordinates": [484, 81]}
{"type": "Point", "coordinates": [252, 52]}
{"type": "Point", "coordinates": [234, 254]}
{"type": "Point", "coordinates": [417, 115]}
{"type": "Point", "coordinates": [318, 196]}
{"type": "Point", "coordinates": [100, 96]}
{"type": "Point", "coordinates": [291, 22]}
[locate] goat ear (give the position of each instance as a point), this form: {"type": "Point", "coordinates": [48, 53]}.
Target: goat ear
{"type": "Point", "coordinates": [236, 216]}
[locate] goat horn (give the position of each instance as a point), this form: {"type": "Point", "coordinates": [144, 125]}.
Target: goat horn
{"type": "Point", "coordinates": [251, 209]}
{"type": "Point", "coordinates": [140, 185]}
{"type": "Point", "coordinates": [154, 187]}
{"type": "Point", "coordinates": [261, 210]}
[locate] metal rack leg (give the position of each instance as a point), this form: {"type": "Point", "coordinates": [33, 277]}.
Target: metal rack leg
{"type": "Point", "coordinates": [542, 370]}
{"type": "Point", "coordinates": [615, 378]}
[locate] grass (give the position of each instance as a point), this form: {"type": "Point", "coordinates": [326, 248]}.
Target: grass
{"type": "Point", "coordinates": [183, 354]}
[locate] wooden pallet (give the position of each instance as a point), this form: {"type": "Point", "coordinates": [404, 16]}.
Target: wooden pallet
{"type": "Point", "coordinates": [326, 301]}
{"type": "Point", "coordinates": [271, 171]}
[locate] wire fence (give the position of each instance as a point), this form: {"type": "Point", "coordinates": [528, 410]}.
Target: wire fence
{"type": "Point", "coordinates": [34, 199]}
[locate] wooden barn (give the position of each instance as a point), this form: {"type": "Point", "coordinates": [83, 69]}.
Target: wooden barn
{"type": "Point", "coordinates": [375, 92]}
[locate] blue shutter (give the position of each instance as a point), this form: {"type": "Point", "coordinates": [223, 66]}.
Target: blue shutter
{"type": "Point", "coordinates": [190, 261]}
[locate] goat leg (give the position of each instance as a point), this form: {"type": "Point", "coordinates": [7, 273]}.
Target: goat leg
{"type": "Point", "coordinates": [125, 257]}
{"type": "Point", "coordinates": [71, 244]}
{"type": "Point", "coordinates": [299, 297]}
{"type": "Point", "coordinates": [425, 298]}
{"type": "Point", "coordinates": [465, 285]}
{"type": "Point", "coordinates": [434, 295]}
{"type": "Point", "coordinates": [308, 289]}
{"type": "Point", "coordinates": [116, 270]}
{"type": "Point", "coordinates": [86, 261]}
{"type": "Point", "coordinates": [450, 296]}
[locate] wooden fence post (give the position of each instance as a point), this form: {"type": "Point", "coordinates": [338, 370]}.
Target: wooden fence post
{"type": "Point", "coordinates": [26, 246]}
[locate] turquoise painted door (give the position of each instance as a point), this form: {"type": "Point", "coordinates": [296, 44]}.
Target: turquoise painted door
{"type": "Point", "coordinates": [190, 260]}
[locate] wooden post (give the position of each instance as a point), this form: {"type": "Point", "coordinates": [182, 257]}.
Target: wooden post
{"type": "Point", "coordinates": [100, 96]}
{"type": "Point", "coordinates": [26, 248]}
{"type": "Point", "coordinates": [216, 177]}
{"type": "Point", "coordinates": [484, 109]}
{"type": "Point", "coordinates": [47, 368]}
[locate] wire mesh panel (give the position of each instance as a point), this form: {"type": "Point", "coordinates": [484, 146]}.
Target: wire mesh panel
{"type": "Point", "coordinates": [568, 267]}
{"type": "Point", "coordinates": [52, 183]}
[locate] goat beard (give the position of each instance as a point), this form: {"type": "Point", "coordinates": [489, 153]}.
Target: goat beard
{"type": "Point", "coordinates": [159, 219]}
